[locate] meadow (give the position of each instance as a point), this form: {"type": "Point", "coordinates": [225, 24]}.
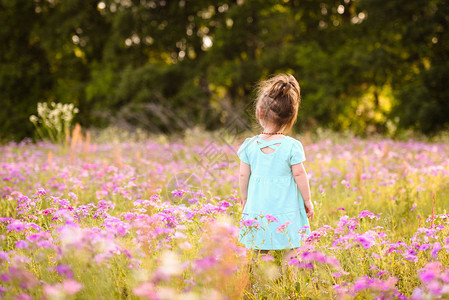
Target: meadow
{"type": "Point", "coordinates": [158, 218]}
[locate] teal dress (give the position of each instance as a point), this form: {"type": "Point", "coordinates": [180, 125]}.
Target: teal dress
{"type": "Point", "coordinates": [274, 216]}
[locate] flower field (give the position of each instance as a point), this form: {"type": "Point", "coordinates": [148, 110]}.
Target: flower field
{"type": "Point", "coordinates": [159, 219]}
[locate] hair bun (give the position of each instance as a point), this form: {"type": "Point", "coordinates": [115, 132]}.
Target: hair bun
{"type": "Point", "coordinates": [286, 86]}
{"type": "Point", "coordinates": [279, 89]}
{"type": "Point", "coordinates": [278, 101]}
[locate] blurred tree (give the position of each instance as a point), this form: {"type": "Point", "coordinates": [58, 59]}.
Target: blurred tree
{"type": "Point", "coordinates": [421, 82]}
{"type": "Point", "coordinates": [25, 75]}
{"type": "Point", "coordinates": [166, 65]}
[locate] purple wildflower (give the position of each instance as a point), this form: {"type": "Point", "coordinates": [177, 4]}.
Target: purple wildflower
{"type": "Point", "coordinates": [271, 218]}
{"type": "Point", "coordinates": [435, 250]}
{"type": "Point", "coordinates": [64, 270]}
{"type": "Point", "coordinates": [250, 222]}
{"type": "Point", "coordinates": [41, 192]}
{"type": "Point", "coordinates": [22, 244]}
{"type": "Point", "coordinates": [17, 226]}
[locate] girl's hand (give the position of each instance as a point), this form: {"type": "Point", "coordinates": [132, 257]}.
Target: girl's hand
{"type": "Point", "coordinates": [243, 202]}
{"type": "Point", "coordinates": [309, 209]}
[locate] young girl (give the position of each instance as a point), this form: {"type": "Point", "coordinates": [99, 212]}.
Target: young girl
{"type": "Point", "coordinates": [273, 182]}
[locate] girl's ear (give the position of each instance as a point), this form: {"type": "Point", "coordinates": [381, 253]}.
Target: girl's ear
{"type": "Point", "coordinates": [260, 113]}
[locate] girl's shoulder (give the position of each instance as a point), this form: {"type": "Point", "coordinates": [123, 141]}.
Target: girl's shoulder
{"type": "Point", "coordinates": [253, 140]}
{"type": "Point", "coordinates": [297, 153]}
{"type": "Point", "coordinates": [294, 141]}
{"type": "Point", "coordinates": [246, 143]}
{"type": "Point", "coordinates": [248, 140]}
{"type": "Point", "coordinates": [244, 149]}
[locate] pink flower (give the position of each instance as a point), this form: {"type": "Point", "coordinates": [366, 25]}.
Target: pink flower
{"type": "Point", "coordinates": [320, 257]}
{"type": "Point", "coordinates": [366, 239]}
{"type": "Point", "coordinates": [283, 226]}
{"type": "Point", "coordinates": [375, 255]}
{"type": "Point", "coordinates": [4, 256]}
{"type": "Point", "coordinates": [146, 289]}
{"type": "Point", "coordinates": [250, 222]}
{"type": "Point", "coordinates": [205, 263]}
{"type": "Point", "coordinates": [423, 247]}
{"type": "Point", "coordinates": [53, 291]}
{"type": "Point", "coordinates": [321, 190]}
{"type": "Point", "coordinates": [376, 285]}
{"type": "Point", "coordinates": [68, 287]}
{"type": "Point", "coordinates": [41, 192]}
{"type": "Point", "coordinates": [26, 278]}
{"type": "Point", "coordinates": [177, 193]}
{"type": "Point", "coordinates": [427, 276]}
{"type": "Point", "coordinates": [366, 213]}
{"type": "Point", "coordinates": [48, 211]}
{"type": "Point", "coordinates": [267, 257]}
{"type": "Point", "coordinates": [101, 194]}
{"type": "Point", "coordinates": [22, 244]}
{"type": "Point", "coordinates": [64, 270]}
{"type": "Point", "coordinates": [71, 286]}
{"type": "Point", "coordinates": [314, 236]}
{"type": "Point", "coordinates": [435, 250]}
{"type": "Point", "coordinates": [23, 296]}
{"type": "Point", "coordinates": [430, 271]}
{"type": "Point", "coordinates": [17, 226]}
{"type": "Point", "coordinates": [271, 218]}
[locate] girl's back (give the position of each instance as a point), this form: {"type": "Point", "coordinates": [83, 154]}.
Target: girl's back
{"type": "Point", "coordinates": [285, 152]}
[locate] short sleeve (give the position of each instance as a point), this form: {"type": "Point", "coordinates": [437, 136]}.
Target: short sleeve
{"type": "Point", "coordinates": [297, 154]}
{"type": "Point", "coordinates": [242, 153]}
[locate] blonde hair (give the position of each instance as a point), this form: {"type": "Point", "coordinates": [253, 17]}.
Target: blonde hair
{"type": "Point", "coordinates": [279, 98]}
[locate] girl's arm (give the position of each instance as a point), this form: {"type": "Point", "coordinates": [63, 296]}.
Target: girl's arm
{"type": "Point", "coordinates": [245, 172]}
{"type": "Point", "coordinates": [300, 175]}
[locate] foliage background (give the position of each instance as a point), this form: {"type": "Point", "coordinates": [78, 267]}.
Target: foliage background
{"type": "Point", "coordinates": [363, 65]}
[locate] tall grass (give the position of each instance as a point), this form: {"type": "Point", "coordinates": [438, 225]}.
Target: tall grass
{"type": "Point", "coordinates": [111, 220]}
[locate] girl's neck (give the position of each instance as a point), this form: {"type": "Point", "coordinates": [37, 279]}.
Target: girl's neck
{"type": "Point", "coordinates": [271, 129]}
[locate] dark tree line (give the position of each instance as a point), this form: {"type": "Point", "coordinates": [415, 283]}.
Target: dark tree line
{"type": "Point", "coordinates": [363, 65]}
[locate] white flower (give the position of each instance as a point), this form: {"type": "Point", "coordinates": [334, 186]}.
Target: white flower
{"type": "Point", "coordinates": [55, 118]}
{"type": "Point", "coordinates": [33, 118]}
